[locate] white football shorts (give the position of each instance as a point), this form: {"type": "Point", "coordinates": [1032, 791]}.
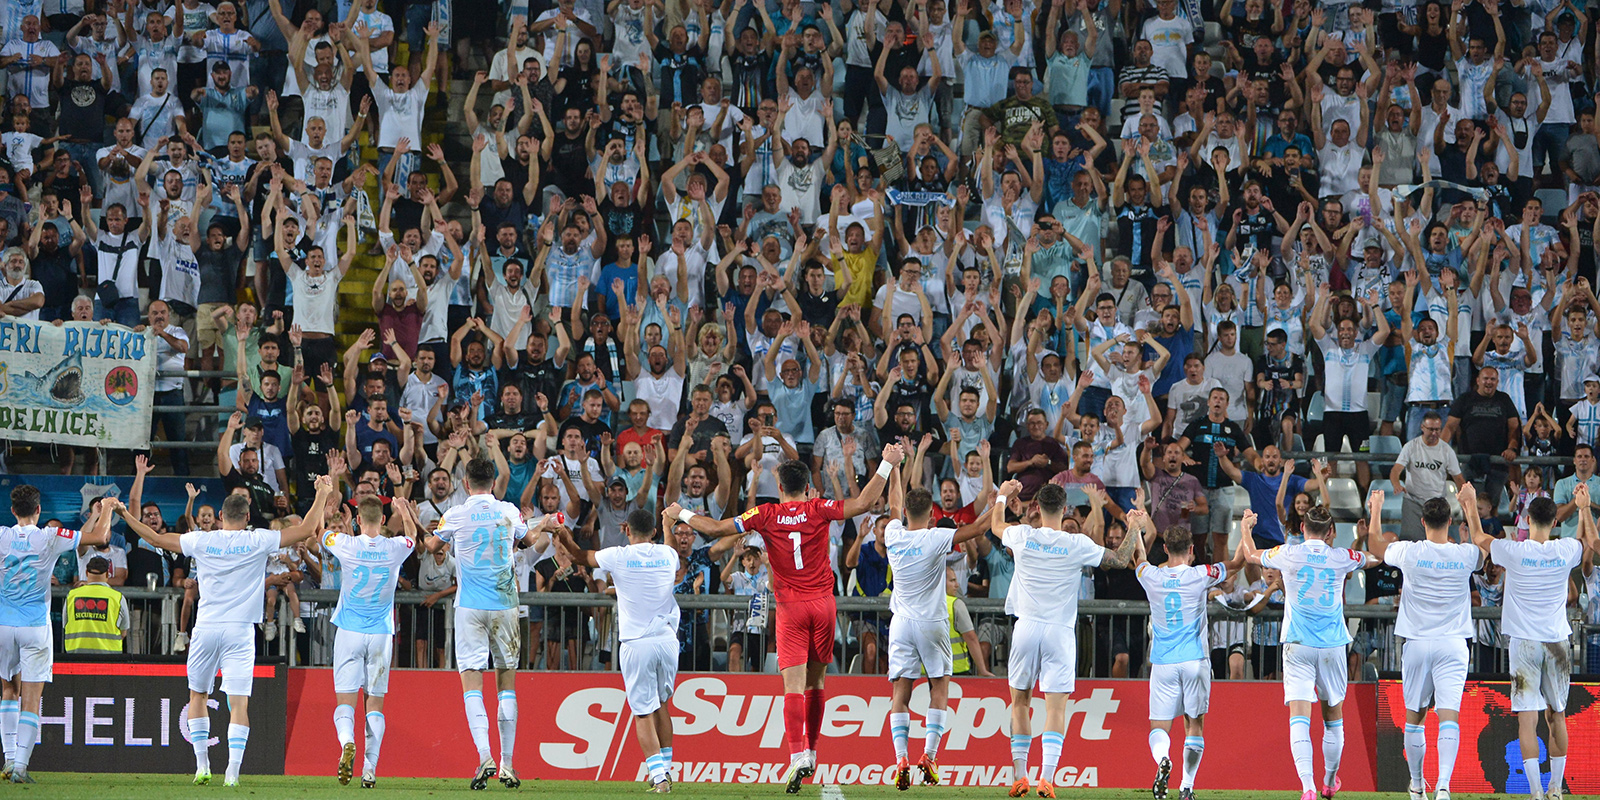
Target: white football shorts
{"type": "Point", "coordinates": [482, 633]}
{"type": "Point", "coordinates": [649, 671]}
{"type": "Point", "coordinates": [361, 662]}
{"type": "Point", "coordinates": [1313, 674]}
{"type": "Point", "coordinates": [1182, 689]}
{"type": "Point", "coordinates": [26, 650]}
{"type": "Point", "coordinates": [917, 646]}
{"type": "Point", "coordinates": [1044, 655]}
{"type": "Point", "coordinates": [1433, 672]}
{"type": "Point", "coordinates": [229, 646]}
{"type": "Point", "coordinates": [1541, 673]}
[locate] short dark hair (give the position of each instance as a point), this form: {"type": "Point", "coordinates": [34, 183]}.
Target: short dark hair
{"type": "Point", "coordinates": [25, 500]}
{"type": "Point", "coordinates": [640, 521]}
{"type": "Point", "coordinates": [480, 474]}
{"type": "Point", "coordinates": [793, 477]}
{"type": "Point", "coordinates": [1436, 512]}
{"type": "Point", "coordinates": [1542, 512]}
{"type": "Point", "coordinates": [919, 502]}
{"type": "Point", "coordinates": [1052, 498]}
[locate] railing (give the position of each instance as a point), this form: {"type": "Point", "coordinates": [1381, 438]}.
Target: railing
{"type": "Point", "coordinates": [575, 631]}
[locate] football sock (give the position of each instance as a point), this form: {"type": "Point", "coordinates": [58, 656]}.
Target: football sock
{"type": "Point", "coordinates": [1417, 750]}
{"type": "Point", "coordinates": [1194, 747]}
{"type": "Point", "coordinates": [238, 738]}
{"type": "Point", "coordinates": [1530, 768]}
{"type": "Point", "coordinates": [899, 727]}
{"type": "Point", "coordinates": [1558, 773]}
{"type": "Point", "coordinates": [794, 723]}
{"type": "Point", "coordinates": [814, 708]}
{"type": "Point", "coordinates": [27, 737]}
{"type": "Point", "coordinates": [1160, 744]}
{"type": "Point", "coordinates": [666, 753]}
{"type": "Point", "coordinates": [375, 729]}
{"type": "Point", "coordinates": [1020, 745]}
{"type": "Point", "coordinates": [477, 722]}
{"type": "Point", "coordinates": [1300, 748]}
{"type": "Point", "coordinates": [658, 767]}
{"type": "Point", "coordinates": [1052, 755]}
{"type": "Point", "coordinates": [10, 710]}
{"type": "Point", "coordinates": [935, 725]}
{"type": "Point", "coordinates": [344, 723]}
{"type": "Point", "coordinates": [200, 737]}
{"type": "Point", "coordinates": [508, 727]}
{"type": "Point", "coordinates": [1449, 742]}
{"type": "Point", "coordinates": [1332, 749]}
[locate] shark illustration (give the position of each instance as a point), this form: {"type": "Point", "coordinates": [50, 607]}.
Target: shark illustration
{"type": "Point", "coordinates": [62, 385]}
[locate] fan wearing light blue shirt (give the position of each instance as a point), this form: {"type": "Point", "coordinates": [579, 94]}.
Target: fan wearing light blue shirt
{"type": "Point", "coordinates": [1315, 636]}
{"type": "Point", "coordinates": [1180, 653]}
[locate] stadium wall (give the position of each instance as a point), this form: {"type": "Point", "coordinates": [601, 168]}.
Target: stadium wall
{"type": "Point", "coordinates": [1490, 759]}
{"type": "Point", "coordinates": [729, 729]}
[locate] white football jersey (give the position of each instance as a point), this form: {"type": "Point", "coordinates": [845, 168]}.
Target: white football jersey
{"type": "Point", "coordinates": [1313, 590]}
{"type": "Point", "coordinates": [916, 560]}
{"type": "Point", "coordinates": [1536, 587]}
{"type": "Point", "coordinates": [1178, 609]}
{"type": "Point", "coordinates": [372, 564]}
{"type": "Point", "coordinates": [29, 555]}
{"type": "Point", "coordinates": [644, 575]}
{"type": "Point", "coordinates": [1048, 573]}
{"type": "Point", "coordinates": [1437, 600]}
{"type": "Point", "coordinates": [233, 572]}
{"type": "Point", "coordinates": [481, 533]}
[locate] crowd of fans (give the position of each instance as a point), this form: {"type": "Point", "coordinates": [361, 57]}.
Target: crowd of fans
{"type": "Point", "coordinates": [1140, 250]}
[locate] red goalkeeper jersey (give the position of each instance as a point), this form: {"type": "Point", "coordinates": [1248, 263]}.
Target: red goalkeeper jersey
{"type": "Point", "coordinates": [796, 535]}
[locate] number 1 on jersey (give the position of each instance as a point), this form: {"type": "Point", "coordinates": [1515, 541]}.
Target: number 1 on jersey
{"type": "Point", "coordinates": [799, 563]}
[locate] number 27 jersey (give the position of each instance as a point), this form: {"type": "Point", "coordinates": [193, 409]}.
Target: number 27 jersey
{"type": "Point", "coordinates": [796, 535]}
{"type": "Point", "coordinates": [1313, 590]}
{"type": "Point", "coordinates": [366, 597]}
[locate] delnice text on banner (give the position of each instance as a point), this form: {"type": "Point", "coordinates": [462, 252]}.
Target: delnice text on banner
{"type": "Point", "coordinates": [79, 383]}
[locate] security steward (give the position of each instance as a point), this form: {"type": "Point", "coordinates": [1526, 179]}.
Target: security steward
{"type": "Point", "coordinates": [94, 619]}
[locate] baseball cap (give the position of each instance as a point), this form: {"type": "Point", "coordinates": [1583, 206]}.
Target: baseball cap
{"type": "Point", "coordinates": [617, 480]}
{"type": "Point", "coordinates": [221, 66]}
{"type": "Point", "coordinates": [1591, 378]}
{"type": "Point", "coordinates": [253, 421]}
{"type": "Point", "coordinates": [376, 357]}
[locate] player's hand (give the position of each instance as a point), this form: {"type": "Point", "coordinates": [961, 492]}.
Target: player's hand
{"type": "Point", "coordinates": [1011, 488]}
{"type": "Point", "coordinates": [1468, 497]}
{"type": "Point", "coordinates": [669, 515]}
{"type": "Point", "coordinates": [1580, 495]}
{"type": "Point", "coordinates": [893, 453]}
{"type": "Point", "coordinates": [1375, 504]}
{"type": "Point", "coordinates": [1247, 523]}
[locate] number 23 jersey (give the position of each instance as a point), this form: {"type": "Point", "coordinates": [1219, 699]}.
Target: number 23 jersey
{"type": "Point", "coordinates": [1313, 590]}
{"type": "Point", "coordinates": [482, 532]}
{"type": "Point", "coordinates": [796, 535]}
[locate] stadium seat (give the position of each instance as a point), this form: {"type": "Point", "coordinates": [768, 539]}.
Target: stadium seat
{"type": "Point", "coordinates": [1238, 499]}
{"type": "Point", "coordinates": [1344, 499]}
{"type": "Point", "coordinates": [1315, 408]}
{"type": "Point", "coordinates": [1385, 445]}
{"type": "Point", "coordinates": [1375, 407]}
{"type": "Point", "coordinates": [770, 665]}
{"type": "Point", "coordinates": [1554, 200]}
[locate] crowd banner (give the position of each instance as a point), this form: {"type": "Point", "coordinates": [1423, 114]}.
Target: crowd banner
{"type": "Point", "coordinates": [101, 716]}
{"type": "Point", "coordinates": [79, 383]}
{"type": "Point", "coordinates": [729, 729]}
{"type": "Point", "coordinates": [1490, 758]}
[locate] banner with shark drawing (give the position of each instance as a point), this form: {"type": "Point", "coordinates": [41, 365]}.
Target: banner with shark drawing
{"type": "Point", "coordinates": [79, 383]}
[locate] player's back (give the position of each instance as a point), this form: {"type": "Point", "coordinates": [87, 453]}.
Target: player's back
{"type": "Point", "coordinates": [482, 532]}
{"type": "Point", "coordinates": [1536, 586]}
{"type": "Point", "coordinates": [366, 600]}
{"type": "Point", "coordinates": [1313, 587]}
{"type": "Point", "coordinates": [1178, 609]}
{"type": "Point", "coordinates": [1437, 601]}
{"type": "Point", "coordinates": [916, 560]}
{"type": "Point", "coordinates": [644, 575]}
{"type": "Point", "coordinates": [28, 554]}
{"type": "Point", "coordinates": [796, 535]}
{"type": "Point", "coordinates": [233, 572]}
{"type": "Point", "coordinates": [1048, 573]}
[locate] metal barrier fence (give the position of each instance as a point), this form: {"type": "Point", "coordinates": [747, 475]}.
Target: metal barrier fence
{"type": "Point", "coordinates": [572, 631]}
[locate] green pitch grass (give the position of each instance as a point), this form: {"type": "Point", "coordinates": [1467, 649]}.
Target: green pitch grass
{"type": "Point", "coordinates": [101, 786]}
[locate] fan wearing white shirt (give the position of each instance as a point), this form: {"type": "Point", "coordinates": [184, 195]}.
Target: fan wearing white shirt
{"type": "Point", "coordinates": [232, 565]}
{"type": "Point", "coordinates": [1535, 619]}
{"type": "Point", "coordinates": [1044, 599]}
{"type": "Point", "coordinates": [644, 574]}
{"type": "Point", "coordinates": [1435, 621]}
{"type": "Point", "coordinates": [919, 630]}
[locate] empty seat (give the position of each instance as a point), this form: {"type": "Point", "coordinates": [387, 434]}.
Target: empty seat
{"type": "Point", "coordinates": [1315, 408]}
{"type": "Point", "coordinates": [1388, 445]}
{"type": "Point", "coordinates": [1344, 499]}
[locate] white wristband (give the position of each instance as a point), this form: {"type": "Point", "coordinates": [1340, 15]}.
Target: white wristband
{"type": "Point", "coordinates": [1000, 499]}
{"type": "Point", "coordinates": [884, 469]}
{"type": "Point", "coordinates": [685, 514]}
